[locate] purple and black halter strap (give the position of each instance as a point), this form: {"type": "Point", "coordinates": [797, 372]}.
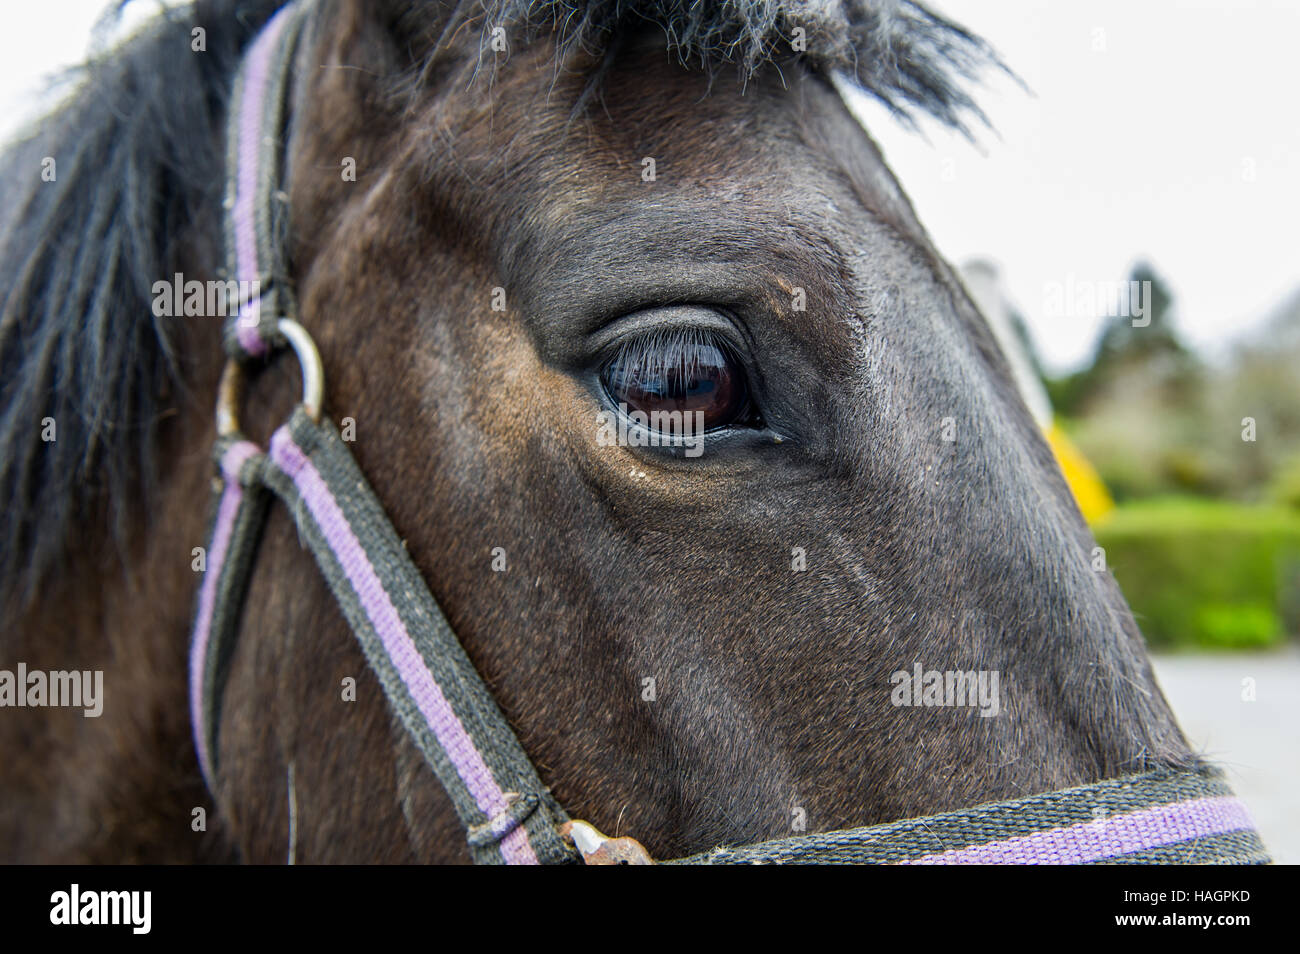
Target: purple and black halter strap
{"type": "Point", "coordinates": [432, 686]}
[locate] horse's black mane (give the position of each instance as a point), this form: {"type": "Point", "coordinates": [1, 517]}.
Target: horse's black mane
{"type": "Point", "coordinates": [138, 158]}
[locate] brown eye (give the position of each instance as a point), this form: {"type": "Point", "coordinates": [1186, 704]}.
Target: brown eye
{"type": "Point", "coordinates": [678, 371]}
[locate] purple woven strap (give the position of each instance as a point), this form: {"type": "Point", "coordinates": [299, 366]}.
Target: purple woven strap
{"type": "Point", "coordinates": [228, 509]}
{"type": "Point", "coordinates": [431, 684]}
{"type": "Point", "coordinates": [1186, 815]}
{"type": "Point", "coordinates": [255, 116]}
{"type": "Point", "coordinates": [397, 643]}
{"type": "Point", "coordinates": [509, 820]}
{"type": "Point", "coordinates": [1106, 838]}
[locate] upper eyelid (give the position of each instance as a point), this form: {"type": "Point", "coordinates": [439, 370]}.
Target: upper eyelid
{"type": "Point", "coordinates": [668, 319]}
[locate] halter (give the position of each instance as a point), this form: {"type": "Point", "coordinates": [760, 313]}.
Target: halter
{"type": "Point", "coordinates": [508, 815]}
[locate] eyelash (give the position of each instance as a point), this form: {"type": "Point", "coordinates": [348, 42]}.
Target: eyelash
{"type": "Point", "coordinates": [661, 350]}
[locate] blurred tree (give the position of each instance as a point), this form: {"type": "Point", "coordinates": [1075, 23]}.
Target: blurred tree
{"type": "Point", "coordinates": [1152, 349]}
{"type": "Point", "coordinates": [1153, 419]}
{"type": "Point", "coordinates": [1261, 382]}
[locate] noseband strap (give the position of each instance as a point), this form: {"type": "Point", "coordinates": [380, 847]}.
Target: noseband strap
{"type": "Point", "coordinates": [1163, 817]}
{"type": "Point", "coordinates": [432, 687]}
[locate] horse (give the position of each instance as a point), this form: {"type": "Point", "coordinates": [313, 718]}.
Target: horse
{"type": "Point", "coordinates": [508, 221]}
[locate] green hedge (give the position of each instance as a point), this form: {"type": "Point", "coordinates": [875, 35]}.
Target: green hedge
{"type": "Point", "coordinates": [1205, 573]}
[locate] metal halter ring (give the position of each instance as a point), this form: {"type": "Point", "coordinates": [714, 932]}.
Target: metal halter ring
{"type": "Point", "coordinates": [313, 379]}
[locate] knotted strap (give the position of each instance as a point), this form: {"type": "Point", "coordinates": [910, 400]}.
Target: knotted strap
{"type": "Point", "coordinates": [431, 685]}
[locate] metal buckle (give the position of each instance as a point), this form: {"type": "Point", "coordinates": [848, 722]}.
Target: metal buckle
{"type": "Point", "coordinates": [313, 379]}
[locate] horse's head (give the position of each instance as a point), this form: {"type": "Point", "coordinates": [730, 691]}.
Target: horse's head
{"type": "Point", "coordinates": [845, 584]}
{"type": "Point", "coordinates": [696, 642]}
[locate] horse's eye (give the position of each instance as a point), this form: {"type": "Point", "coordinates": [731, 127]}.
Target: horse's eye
{"type": "Point", "coordinates": [684, 371]}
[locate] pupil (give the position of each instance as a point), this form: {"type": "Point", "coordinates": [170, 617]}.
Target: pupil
{"type": "Point", "coordinates": [689, 377]}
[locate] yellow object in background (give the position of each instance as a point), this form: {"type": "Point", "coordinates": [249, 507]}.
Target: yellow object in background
{"type": "Point", "coordinates": [985, 287]}
{"type": "Point", "coordinates": [1093, 498]}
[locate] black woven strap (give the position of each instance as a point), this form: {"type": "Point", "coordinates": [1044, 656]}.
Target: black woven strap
{"type": "Point", "coordinates": [431, 685]}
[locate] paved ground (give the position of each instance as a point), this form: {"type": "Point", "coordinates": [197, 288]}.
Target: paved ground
{"type": "Point", "coordinates": [1257, 743]}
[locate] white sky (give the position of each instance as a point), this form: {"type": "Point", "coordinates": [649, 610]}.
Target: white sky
{"type": "Point", "coordinates": [1145, 148]}
{"type": "Point", "coordinates": [1137, 151]}
{"type": "Point", "coordinates": [40, 39]}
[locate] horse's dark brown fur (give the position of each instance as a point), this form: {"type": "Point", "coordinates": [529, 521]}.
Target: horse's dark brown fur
{"type": "Point", "coordinates": [477, 429]}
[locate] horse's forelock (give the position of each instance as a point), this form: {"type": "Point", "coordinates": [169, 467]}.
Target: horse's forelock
{"type": "Point", "coordinates": [910, 58]}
